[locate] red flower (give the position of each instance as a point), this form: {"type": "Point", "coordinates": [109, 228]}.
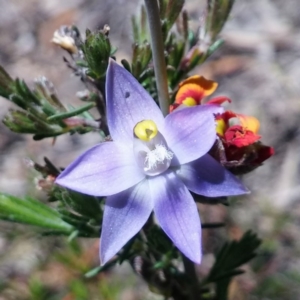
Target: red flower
{"type": "Point", "coordinates": [238, 147]}
{"type": "Point", "coordinates": [240, 137]}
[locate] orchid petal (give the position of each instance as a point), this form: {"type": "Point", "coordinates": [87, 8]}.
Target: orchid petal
{"type": "Point", "coordinates": [127, 104]}
{"type": "Point", "coordinates": [124, 215]}
{"type": "Point", "coordinates": [191, 132]}
{"type": "Point", "coordinates": [102, 171]}
{"type": "Point", "coordinates": [206, 177]}
{"type": "Point", "coordinates": [177, 214]}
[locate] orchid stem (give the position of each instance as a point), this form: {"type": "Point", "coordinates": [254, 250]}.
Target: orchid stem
{"type": "Point", "coordinates": [157, 47]}
{"type": "Point", "coordinates": [190, 271]}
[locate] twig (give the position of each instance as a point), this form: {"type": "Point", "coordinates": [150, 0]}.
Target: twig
{"type": "Point", "coordinates": [158, 54]}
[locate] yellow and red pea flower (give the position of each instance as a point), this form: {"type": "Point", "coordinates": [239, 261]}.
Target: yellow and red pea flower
{"type": "Point", "coordinates": [192, 90]}
{"type": "Point", "coordinates": [239, 135]}
{"type": "Point", "coordinates": [242, 149]}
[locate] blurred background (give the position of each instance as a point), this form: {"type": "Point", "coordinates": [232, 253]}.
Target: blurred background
{"type": "Point", "coordinates": [258, 68]}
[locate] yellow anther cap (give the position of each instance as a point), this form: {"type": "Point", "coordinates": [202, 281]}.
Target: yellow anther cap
{"type": "Point", "coordinates": [145, 130]}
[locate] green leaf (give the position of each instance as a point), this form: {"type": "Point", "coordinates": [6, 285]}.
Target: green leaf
{"type": "Point", "coordinates": [126, 65]}
{"type": "Point", "coordinates": [97, 49]}
{"type": "Point", "coordinates": [19, 121]}
{"type": "Point", "coordinates": [139, 27]}
{"type": "Point", "coordinates": [72, 113]}
{"type": "Point", "coordinates": [25, 92]}
{"type": "Point", "coordinates": [169, 13]}
{"type": "Point", "coordinates": [32, 212]}
{"type": "Point", "coordinates": [44, 90]}
{"type": "Point", "coordinates": [140, 58]}
{"type": "Point", "coordinates": [43, 112]}
{"type": "Point", "coordinates": [6, 83]}
{"type": "Point", "coordinates": [231, 256]}
{"type": "Point", "coordinates": [85, 205]}
{"type": "Point", "coordinates": [217, 15]}
{"type": "Point", "coordinates": [22, 122]}
{"type": "Point", "coordinates": [214, 47]}
{"type": "Point", "coordinates": [173, 10]}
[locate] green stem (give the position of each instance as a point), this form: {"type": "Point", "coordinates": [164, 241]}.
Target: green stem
{"type": "Point", "coordinates": [157, 47]}
{"type": "Point", "coordinates": [190, 271]}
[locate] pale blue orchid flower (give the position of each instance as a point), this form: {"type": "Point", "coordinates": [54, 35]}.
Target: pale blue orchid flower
{"type": "Point", "coordinates": [150, 165]}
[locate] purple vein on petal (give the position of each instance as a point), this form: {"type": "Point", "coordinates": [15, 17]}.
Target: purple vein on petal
{"type": "Point", "coordinates": [191, 132]}
{"type": "Point", "coordinates": [207, 177]}
{"type": "Point", "coordinates": [177, 214]}
{"type": "Point", "coordinates": [102, 171]}
{"type": "Point", "coordinates": [124, 215]}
